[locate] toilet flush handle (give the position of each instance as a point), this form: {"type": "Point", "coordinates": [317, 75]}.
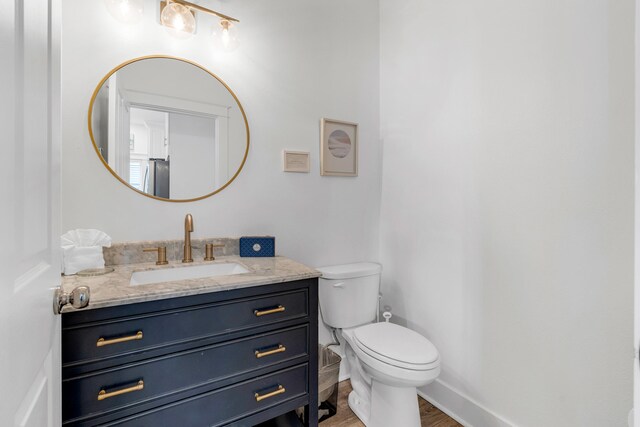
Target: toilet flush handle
{"type": "Point", "coordinates": [338, 285]}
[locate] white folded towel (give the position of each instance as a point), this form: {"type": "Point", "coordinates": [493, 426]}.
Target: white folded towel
{"type": "Point", "coordinates": [82, 249]}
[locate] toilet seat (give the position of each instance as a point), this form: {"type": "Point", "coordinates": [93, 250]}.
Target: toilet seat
{"type": "Point", "coordinates": [397, 346]}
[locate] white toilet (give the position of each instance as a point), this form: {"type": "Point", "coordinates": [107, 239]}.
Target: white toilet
{"type": "Point", "coordinates": [387, 361]}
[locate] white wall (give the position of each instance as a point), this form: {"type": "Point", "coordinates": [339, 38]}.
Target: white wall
{"type": "Point", "coordinates": [153, 76]}
{"type": "Point", "coordinates": [507, 202]}
{"type": "Point", "coordinates": [299, 61]}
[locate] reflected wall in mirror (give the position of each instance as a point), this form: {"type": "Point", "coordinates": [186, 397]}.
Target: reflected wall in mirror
{"type": "Point", "coordinates": [168, 128]}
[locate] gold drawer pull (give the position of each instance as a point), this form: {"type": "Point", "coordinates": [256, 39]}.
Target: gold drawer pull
{"type": "Point", "coordinates": [104, 395]}
{"type": "Point", "coordinates": [278, 309]}
{"type": "Point", "coordinates": [279, 349]}
{"type": "Point", "coordinates": [102, 342]}
{"type": "Point", "coordinates": [280, 390]}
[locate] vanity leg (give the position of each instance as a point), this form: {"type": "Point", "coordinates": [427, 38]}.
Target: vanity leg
{"type": "Point", "coordinates": [311, 410]}
{"type": "Point", "coordinates": [310, 417]}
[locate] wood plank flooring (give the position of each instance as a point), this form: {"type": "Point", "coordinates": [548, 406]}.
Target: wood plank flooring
{"type": "Point", "coordinates": [430, 416]}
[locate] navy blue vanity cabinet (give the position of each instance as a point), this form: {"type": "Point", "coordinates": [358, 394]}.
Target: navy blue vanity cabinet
{"type": "Point", "coordinates": [238, 357]}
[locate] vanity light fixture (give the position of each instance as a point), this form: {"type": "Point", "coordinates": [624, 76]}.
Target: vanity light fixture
{"type": "Point", "coordinates": [225, 37]}
{"type": "Point", "coordinates": [126, 11]}
{"type": "Point", "coordinates": [179, 17]}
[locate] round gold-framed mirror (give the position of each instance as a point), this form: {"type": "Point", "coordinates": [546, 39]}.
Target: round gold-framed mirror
{"type": "Point", "coordinates": [168, 128]}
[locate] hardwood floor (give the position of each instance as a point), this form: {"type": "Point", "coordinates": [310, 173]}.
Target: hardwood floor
{"type": "Point", "coordinates": [429, 414]}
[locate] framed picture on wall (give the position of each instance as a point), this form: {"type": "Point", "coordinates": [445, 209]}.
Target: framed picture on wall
{"type": "Point", "coordinates": [295, 161]}
{"type": "Point", "coordinates": [338, 148]}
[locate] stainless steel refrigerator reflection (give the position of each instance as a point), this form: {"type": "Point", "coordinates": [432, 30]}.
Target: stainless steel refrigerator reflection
{"type": "Point", "coordinates": [157, 178]}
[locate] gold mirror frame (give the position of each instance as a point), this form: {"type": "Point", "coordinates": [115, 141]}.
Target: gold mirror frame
{"type": "Point", "coordinates": [106, 165]}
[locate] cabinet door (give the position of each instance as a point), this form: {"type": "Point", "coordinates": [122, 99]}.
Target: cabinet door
{"type": "Point", "coordinates": [191, 324]}
{"type": "Point", "coordinates": [228, 404]}
{"type": "Point", "coordinates": [143, 384]}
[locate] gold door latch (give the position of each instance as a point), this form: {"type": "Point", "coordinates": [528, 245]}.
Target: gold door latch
{"type": "Point", "coordinates": [104, 395]}
{"type": "Point", "coordinates": [279, 349]}
{"type": "Point", "coordinates": [280, 390]}
{"type": "Point", "coordinates": [278, 309]}
{"type": "Point", "coordinates": [102, 342]}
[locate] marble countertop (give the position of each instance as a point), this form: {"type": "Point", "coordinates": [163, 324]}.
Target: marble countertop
{"type": "Point", "coordinates": [113, 289]}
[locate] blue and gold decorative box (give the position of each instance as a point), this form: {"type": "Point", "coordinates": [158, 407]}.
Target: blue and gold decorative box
{"type": "Point", "coordinates": [257, 246]}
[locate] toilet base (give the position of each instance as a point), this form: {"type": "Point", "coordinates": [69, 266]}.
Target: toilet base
{"type": "Point", "coordinates": [393, 406]}
{"type": "Point", "coordinates": [393, 402]}
{"type": "Point", "coordinates": [360, 407]}
{"type": "Point", "coordinates": [390, 406]}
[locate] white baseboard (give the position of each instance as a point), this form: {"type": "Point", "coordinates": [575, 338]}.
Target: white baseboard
{"type": "Point", "coordinates": [455, 404]}
{"type": "Point", "coordinates": [460, 407]}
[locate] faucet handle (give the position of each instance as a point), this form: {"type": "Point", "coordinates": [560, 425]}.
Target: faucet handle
{"type": "Point", "coordinates": [162, 254]}
{"type": "Point", "coordinates": [209, 251]}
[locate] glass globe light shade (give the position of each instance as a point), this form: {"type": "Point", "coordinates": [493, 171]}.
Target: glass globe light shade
{"type": "Point", "coordinates": [225, 36]}
{"type": "Point", "coordinates": [126, 11]}
{"type": "Point", "coordinates": [178, 20]}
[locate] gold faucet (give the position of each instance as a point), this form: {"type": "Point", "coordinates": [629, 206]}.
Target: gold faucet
{"type": "Point", "coordinates": [188, 228]}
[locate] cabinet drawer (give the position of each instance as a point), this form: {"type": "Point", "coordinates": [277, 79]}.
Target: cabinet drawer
{"type": "Point", "coordinates": [130, 335]}
{"type": "Point", "coordinates": [179, 372]}
{"type": "Point", "coordinates": [228, 404]}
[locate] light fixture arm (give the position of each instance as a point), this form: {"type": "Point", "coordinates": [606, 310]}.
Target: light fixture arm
{"type": "Point", "coordinates": [205, 10]}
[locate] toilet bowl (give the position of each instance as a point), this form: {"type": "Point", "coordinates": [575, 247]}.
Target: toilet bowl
{"type": "Point", "coordinates": [394, 355]}
{"type": "Point", "coordinates": [387, 361]}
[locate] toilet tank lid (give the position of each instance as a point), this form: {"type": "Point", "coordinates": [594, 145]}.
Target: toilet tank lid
{"type": "Point", "coordinates": [350, 271]}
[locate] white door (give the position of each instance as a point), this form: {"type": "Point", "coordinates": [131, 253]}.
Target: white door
{"type": "Point", "coordinates": [634, 416]}
{"type": "Point", "coordinates": [29, 206]}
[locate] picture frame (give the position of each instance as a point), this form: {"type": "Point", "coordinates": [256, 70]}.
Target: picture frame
{"type": "Point", "coordinates": [338, 148]}
{"type": "Point", "coordinates": [295, 161]}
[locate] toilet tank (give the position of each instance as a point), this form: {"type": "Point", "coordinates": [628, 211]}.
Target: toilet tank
{"type": "Point", "coordinates": [348, 294]}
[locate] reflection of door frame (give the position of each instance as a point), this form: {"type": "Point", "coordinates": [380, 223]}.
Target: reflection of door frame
{"type": "Point", "coordinates": [123, 129]}
{"type": "Point", "coordinates": [221, 136]}
{"type": "Point", "coordinates": [178, 105]}
{"type": "Point", "coordinates": [118, 129]}
{"type": "Point", "coordinates": [170, 110]}
{"type": "Point", "coordinates": [222, 149]}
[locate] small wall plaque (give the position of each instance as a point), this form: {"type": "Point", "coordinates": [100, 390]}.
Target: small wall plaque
{"type": "Point", "coordinates": [296, 161]}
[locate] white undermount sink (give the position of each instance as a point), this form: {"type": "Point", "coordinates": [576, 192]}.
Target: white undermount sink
{"type": "Point", "coordinates": [185, 273]}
